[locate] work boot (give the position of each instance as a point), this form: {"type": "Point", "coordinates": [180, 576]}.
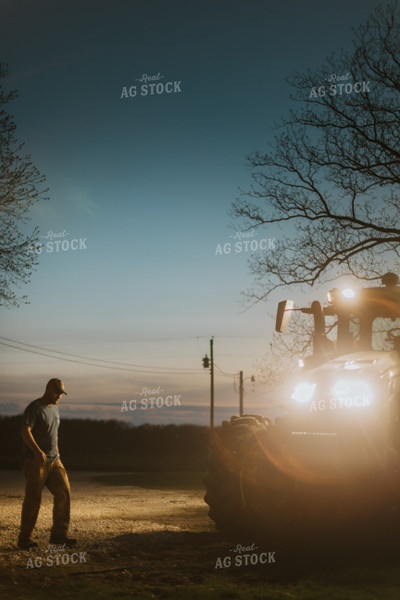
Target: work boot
{"type": "Point", "coordinates": [60, 540]}
{"type": "Point", "coordinates": [26, 543]}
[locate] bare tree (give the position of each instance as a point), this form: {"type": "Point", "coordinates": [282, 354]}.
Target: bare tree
{"type": "Point", "coordinates": [284, 352]}
{"type": "Point", "coordinates": [332, 174]}
{"type": "Point", "coordinates": [20, 187]}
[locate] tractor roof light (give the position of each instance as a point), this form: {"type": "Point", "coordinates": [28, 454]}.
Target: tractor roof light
{"type": "Point", "coordinates": [348, 293]}
{"type": "Point", "coordinates": [336, 296]}
{"type": "Point", "coordinates": [330, 297]}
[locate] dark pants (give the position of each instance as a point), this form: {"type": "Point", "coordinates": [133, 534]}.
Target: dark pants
{"type": "Point", "coordinates": [55, 478]}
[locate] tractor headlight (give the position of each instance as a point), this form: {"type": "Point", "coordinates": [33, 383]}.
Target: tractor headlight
{"type": "Point", "coordinates": [303, 392]}
{"type": "Point", "coordinates": [352, 393]}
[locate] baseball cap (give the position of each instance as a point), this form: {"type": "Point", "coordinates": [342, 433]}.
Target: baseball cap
{"type": "Point", "coordinates": [57, 385]}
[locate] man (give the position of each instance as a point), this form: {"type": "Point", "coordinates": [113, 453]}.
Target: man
{"type": "Point", "coordinates": [42, 466]}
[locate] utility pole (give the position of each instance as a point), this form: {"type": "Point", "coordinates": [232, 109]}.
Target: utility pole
{"type": "Point", "coordinates": [208, 363]}
{"type": "Point", "coordinates": [252, 379]}
{"type": "Point", "coordinates": [212, 384]}
{"type": "Point", "coordinates": [241, 393]}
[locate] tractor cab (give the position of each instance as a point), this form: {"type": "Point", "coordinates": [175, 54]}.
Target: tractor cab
{"type": "Point", "coordinates": [365, 319]}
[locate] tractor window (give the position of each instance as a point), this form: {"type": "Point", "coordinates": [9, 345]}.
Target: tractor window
{"type": "Point", "coordinates": [384, 334]}
{"type": "Point", "coordinates": [354, 328]}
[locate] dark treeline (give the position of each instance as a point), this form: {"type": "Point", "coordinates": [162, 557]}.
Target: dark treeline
{"type": "Point", "coordinates": [87, 444]}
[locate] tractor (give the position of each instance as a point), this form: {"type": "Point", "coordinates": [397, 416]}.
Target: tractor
{"type": "Point", "coordinates": [332, 459]}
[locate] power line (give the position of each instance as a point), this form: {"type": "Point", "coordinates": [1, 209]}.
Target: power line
{"type": "Point", "coordinates": [223, 372]}
{"type": "Point", "coordinates": [48, 353]}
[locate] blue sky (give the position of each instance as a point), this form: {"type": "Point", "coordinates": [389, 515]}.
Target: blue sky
{"type": "Point", "coordinates": [145, 184]}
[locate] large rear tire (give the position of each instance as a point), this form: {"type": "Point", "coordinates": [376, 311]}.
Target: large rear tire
{"type": "Point", "coordinates": [246, 493]}
{"type": "Point", "coordinates": [252, 489]}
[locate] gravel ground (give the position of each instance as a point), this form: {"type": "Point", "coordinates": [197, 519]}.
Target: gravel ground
{"type": "Point", "coordinates": [133, 526]}
{"type": "Point", "coordinates": [151, 532]}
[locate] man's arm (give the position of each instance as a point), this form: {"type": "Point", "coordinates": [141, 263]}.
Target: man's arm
{"type": "Point", "coordinates": [26, 433]}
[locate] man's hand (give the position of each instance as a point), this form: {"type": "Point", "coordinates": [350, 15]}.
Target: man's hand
{"type": "Point", "coordinates": [41, 457]}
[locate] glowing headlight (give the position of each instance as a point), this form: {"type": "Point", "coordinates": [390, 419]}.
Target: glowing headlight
{"type": "Point", "coordinates": [348, 293]}
{"type": "Point", "coordinates": [303, 392]}
{"type": "Point", "coordinates": [336, 295]}
{"type": "Point", "coordinates": [352, 394]}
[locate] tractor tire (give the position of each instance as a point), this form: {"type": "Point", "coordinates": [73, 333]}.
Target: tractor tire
{"type": "Point", "coordinates": [251, 488]}
{"type": "Point", "coordinates": [246, 493]}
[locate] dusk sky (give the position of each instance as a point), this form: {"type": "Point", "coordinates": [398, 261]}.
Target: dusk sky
{"type": "Point", "coordinates": [131, 285]}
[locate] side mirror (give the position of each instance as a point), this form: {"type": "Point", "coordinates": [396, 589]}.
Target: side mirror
{"type": "Point", "coordinates": [283, 315]}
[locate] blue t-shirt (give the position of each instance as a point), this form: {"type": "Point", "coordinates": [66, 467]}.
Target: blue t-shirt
{"type": "Point", "coordinates": [44, 420]}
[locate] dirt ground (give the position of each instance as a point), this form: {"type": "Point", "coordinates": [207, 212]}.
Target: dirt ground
{"type": "Point", "coordinates": [148, 535]}
{"type": "Point", "coordinates": [138, 527]}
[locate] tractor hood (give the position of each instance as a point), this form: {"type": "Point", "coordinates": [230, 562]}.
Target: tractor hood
{"type": "Point", "coordinates": [340, 416]}
{"type": "Point", "coordinates": [375, 363]}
